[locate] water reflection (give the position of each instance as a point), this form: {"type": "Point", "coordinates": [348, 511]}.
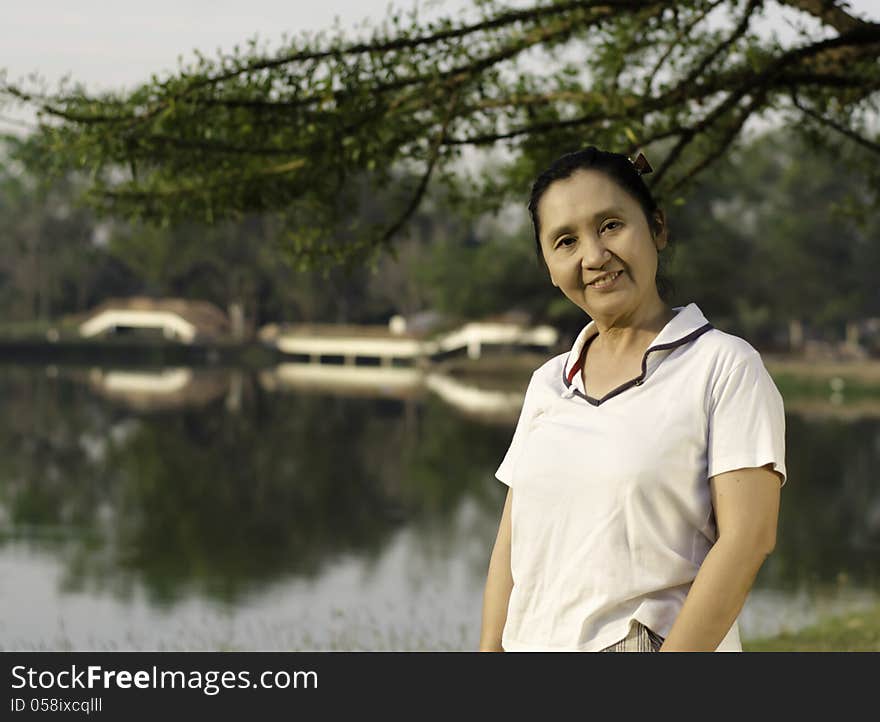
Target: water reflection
{"type": "Point", "coordinates": [158, 389]}
{"type": "Point", "coordinates": [288, 510]}
{"type": "Point", "coordinates": [399, 383]}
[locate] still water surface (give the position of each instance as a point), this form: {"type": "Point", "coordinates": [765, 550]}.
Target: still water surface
{"type": "Point", "coordinates": [186, 509]}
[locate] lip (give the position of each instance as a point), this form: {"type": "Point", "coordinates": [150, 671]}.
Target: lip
{"type": "Point", "coordinates": [609, 286]}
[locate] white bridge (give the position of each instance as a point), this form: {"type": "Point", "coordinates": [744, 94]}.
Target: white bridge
{"type": "Point", "coordinates": [378, 346]}
{"type": "Point", "coordinates": [332, 344]}
{"type": "Point", "coordinates": [176, 318]}
{"type": "Point", "coordinates": [172, 325]}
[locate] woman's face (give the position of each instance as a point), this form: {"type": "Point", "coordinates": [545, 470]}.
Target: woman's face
{"type": "Point", "coordinates": [590, 226]}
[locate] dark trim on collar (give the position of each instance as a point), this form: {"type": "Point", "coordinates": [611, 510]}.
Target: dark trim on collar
{"type": "Point", "coordinates": [639, 380]}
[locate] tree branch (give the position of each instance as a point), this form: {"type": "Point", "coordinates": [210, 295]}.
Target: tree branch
{"type": "Point", "coordinates": [436, 147]}
{"type": "Point", "coordinates": [852, 135]}
{"type": "Point", "coordinates": [683, 34]}
{"type": "Point", "coordinates": [829, 12]}
{"type": "Point", "coordinates": [726, 140]}
{"type": "Point", "coordinates": [737, 33]}
{"type": "Point", "coordinates": [505, 18]}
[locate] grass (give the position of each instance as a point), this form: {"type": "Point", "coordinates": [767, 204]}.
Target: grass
{"type": "Point", "coordinates": [864, 372]}
{"type": "Point", "coordinates": [795, 385]}
{"type": "Point", "coordinates": [853, 632]}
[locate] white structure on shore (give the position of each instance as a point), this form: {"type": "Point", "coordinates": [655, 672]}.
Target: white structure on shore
{"type": "Point", "coordinates": [175, 318]}
{"type": "Point", "coordinates": [396, 346]}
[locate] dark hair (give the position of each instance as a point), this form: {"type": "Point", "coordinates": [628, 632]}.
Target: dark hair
{"type": "Point", "coordinates": [620, 170]}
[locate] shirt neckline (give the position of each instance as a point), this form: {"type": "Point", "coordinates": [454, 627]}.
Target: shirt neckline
{"type": "Point", "coordinates": [688, 324]}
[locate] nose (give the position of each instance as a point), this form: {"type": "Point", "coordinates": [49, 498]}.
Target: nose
{"type": "Point", "coordinates": [594, 255]}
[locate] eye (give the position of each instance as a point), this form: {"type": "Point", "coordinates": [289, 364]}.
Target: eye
{"type": "Point", "coordinates": [565, 241]}
{"type": "Point", "coordinates": [609, 224]}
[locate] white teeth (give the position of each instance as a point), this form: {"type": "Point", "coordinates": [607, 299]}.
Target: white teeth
{"type": "Point", "coordinates": [605, 280]}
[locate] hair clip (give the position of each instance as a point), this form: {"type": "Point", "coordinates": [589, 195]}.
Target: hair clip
{"type": "Point", "coordinates": [641, 164]}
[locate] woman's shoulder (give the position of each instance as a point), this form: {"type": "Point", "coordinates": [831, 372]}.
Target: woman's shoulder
{"type": "Point", "coordinates": [554, 362]}
{"type": "Point", "coordinates": [729, 343]}
{"type": "Point", "coordinates": [551, 368]}
{"type": "Point", "coordinates": [548, 377]}
{"type": "Point", "coordinates": [726, 350]}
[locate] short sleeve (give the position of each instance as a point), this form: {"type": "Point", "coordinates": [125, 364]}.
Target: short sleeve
{"type": "Point", "coordinates": [526, 414]}
{"type": "Point", "coordinates": [746, 420]}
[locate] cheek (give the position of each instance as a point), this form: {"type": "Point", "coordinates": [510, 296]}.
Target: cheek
{"type": "Point", "coordinates": [648, 262]}
{"type": "Point", "coordinates": [566, 274]}
{"type": "Point", "coordinates": [558, 274]}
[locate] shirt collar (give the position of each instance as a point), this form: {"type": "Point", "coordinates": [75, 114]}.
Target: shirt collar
{"type": "Point", "coordinates": [687, 324]}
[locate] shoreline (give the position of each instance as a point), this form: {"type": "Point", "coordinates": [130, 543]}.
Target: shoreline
{"type": "Point", "coordinates": [866, 371]}
{"type": "Point", "coordinates": [494, 368]}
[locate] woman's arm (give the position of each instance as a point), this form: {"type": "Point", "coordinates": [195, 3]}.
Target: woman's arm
{"type": "Point", "coordinates": [499, 583]}
{"type": "Point", "coordinates": [746, 503]}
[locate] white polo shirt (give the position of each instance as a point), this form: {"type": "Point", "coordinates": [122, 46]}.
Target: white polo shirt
{"type": "Point", "coordinates": [612, 514]}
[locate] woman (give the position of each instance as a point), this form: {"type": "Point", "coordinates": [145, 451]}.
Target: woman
{"type": "Point", "coordinates": [644, 474]}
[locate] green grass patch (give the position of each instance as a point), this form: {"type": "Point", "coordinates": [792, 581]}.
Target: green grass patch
{"type": "Point", "coordinates": [852, 632]}
{"type": "Point", "coordinates": [793, 385]}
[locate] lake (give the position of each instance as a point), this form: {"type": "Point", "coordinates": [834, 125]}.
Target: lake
{"type": "Point", "coordinates": [313, 509]}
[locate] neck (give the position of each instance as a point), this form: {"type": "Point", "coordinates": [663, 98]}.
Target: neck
{"type": "Point", "coordinates": [622, 337]}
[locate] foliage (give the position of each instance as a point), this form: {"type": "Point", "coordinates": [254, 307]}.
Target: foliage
{"type": "Point", "coordinates": [310, 130]}
{"type": "Point", "coordinates": [50, 262]}
{"type": "Point", "coordinates": [767, 237]}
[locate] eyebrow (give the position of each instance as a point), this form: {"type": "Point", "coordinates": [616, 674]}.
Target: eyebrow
{"type": "Point", "coordinates": [559, 230]}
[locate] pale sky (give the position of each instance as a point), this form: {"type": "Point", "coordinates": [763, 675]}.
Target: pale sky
{"type": "Point", "coordinates": [118, 43]}
{"type": "Point", "coordinates": [112, 44]}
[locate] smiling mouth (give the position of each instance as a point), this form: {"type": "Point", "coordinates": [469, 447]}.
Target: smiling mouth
{"type": "Point", "coordinates": [605, 281]}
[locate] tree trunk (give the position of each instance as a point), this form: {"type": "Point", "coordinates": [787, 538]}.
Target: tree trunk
{"type": "Point", "coordinates": [795, 335]}
{"type": "Point", "coordinates": [235, 310]}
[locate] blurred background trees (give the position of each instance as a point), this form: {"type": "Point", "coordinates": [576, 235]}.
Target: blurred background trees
{"type": "Point", "coordinates": [766, 237]}
{"type": "Point", "coordinates": [348, 179]}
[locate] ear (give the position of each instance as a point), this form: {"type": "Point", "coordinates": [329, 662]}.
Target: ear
{"type": "Point", "coordinates": [661, 234]}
